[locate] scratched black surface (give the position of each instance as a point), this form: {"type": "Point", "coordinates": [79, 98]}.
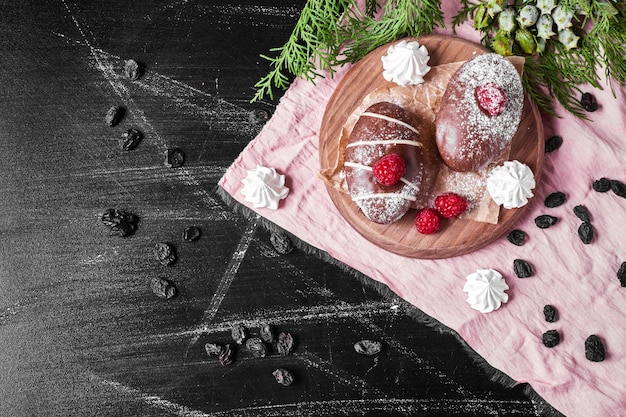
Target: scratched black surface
{"type": "Point", "coordinates": [81, 332]}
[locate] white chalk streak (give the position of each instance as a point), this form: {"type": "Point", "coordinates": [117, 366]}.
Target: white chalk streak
{"type": "Point", "coordinates": [109, 71]}
{"type": "Point", "coordinates": [324, 313]}
{"type": "Point", "coordinates": [406, 406]}
{"type": "Point", "coordinates": [339, 375]}
{"type": "Point", "coordinates": [227, 278]}
{"type": "Point", "coordinates": [152, 400]}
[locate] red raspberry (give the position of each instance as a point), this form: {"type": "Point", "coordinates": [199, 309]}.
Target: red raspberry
{"type": "Point", "coordinates": [450, 205]}
{"type": "Point", "coordinates": [491, 98]}
{"type": "Point", "coordinates": [427, 221]}
{"type": "Point", "coordinates": [389, 169]}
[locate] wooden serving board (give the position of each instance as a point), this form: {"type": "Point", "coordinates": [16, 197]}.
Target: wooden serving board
{"type": "Point", "coordinates": [456, 237]}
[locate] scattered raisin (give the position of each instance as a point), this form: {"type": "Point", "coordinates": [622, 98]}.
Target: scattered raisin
{"type": "Point", "coordinates": [259, 116]}
{"type": "Point", "coordinates": [133, 69]}
{"type": "Point", "coordinates": [267, 333]}
{"type": "Point", "coordinates": [516, 237]}
{"type": "Point", "coordinates": [114, 115]}
{"type": "Point", "coordinates": [120, 223]}
{"type": "Point", "coordinates": [588, 102]}
{"type": "Point", "coordinates": [550, 314]}
{"type": "Point", "coordinates": [594, 349]}
{"type": "Point", "coordinates": [192, 233]}
{"type": "Point", "coordinates": [551, 338]}
{"type": "Point", "coordinates": [283, 377]}
{"type": "Point", "coordinates": [621, 274]}
{"type": "Point", "coordinates": [544, 221]}
{"type": "Point", "coordinates": [164, 253]}
{"type": "Point", "coordinates": [553, 143]}
{"type": "Point", "coordinates": [522, 268]}
{"type": "Point", "coordinates": [174, 158]}
{"type": "Point", "coordinates": [582, 213]}
{"type": "Point", "coordinates": [554, 199]}
{"type": "Point", "coordinates": [162, 288]}
{"type": "Point", "coordinates": [227, 355]}
{"type": "Point", "coordinates": [212, 349]}
{"type": "Point", "coordinates": [602, 185]}
{"type": "Point", "coordinates": [256, 346]}
{"type": "Point", "coordinates": [238, 332]}
{"type": "Point", "coordinates": [619, 188]}
{"type": "Point", "coordinates": [585, 232]}
{"type": "Point", "coordinates": [130, 139]}
{"type": "Point", "coordinates": [285, 343]}
{"type": "Point", "coordinates": [368, 347]}
{"type": "Point", "coordinates": [281, 243]}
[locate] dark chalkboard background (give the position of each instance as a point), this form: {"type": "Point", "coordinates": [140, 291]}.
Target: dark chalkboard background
{"type": "Point", "coordinates": [81, 333]}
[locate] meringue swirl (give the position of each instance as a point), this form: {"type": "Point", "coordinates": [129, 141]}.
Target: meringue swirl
{"type": "Point", "coordinates": [511, 184]}
{"type": "Point", "coordinates": [406, 63]}
{"type": "Point", "coordinates": [486, 290]}
{"type": "Point", "coordinates": [264, 187]}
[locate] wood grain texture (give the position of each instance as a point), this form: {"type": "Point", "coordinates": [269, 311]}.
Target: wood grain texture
{"type": "Point", "coordinates": [81, 333]}
{"type": "Point", "coordinates": [456, 237]}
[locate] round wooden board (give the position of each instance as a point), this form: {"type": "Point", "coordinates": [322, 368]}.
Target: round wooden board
{"type": "Point", "coordinates": [456, 237]}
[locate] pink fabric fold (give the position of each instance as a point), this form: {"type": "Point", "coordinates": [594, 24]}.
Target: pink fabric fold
{"type": "Point", "coordinates": [578, 280]}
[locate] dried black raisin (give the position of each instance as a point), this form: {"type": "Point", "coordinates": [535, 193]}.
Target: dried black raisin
{"type": "Point", "coordinates": [114, 115]}
{"type": "Point", "coordinates": [227, 355]}
{"type": "Point", "coordinates": [120, 223]}
{"type": "Point", "coordinates": [621, 274]}
{"type": "Point", "coordinates": [582, 213]}
{"type": "Point", "coordinates": [238, 333]}
{"type": "Point", "coordinates": [554, 199]}
{"type": "Point", "coordinates": [585, 232]}
{"type": "Point", "coordinates": [522, 268]}
{"type": "Point", "coordinates": [281, 243]}
{"type": "Point", "coordinates": [192, 233]}
{"type": "Point", "coordinates": [133, 69]}
{"type": "Point", "coordinates": [165, 253]}
{"type": "Point", "coordinates": [594, 349]}
{"type": "Point", "coordinates": [267, 333]}
{"type": "Point", "coordinates": [368, 347]}
{"type": "Point", "coordinates": [619, 188]}
{"type": "Point", "coordinates": [588, 102]}
{"type": "Point", "coordinates": [259, 116]}
{"type": "Point", "coordinates": [602, 185]}
{"type": "Point", "coordinates": [283, 377]}
{"type": "Point", "coordinates": [551, 338]}
{"type": "Point", "coordinates": [285, 343]}
{"type": "Point", "coordinates": [553, 143]}
{"type": "Point", "coordinates": [516, 237]}
{"type": "Point", "coordinates": [550, 314]}
{"type": "Point", "coordinates": [162, 288]}
{"type": "Point", "coordinates": [130, 139]}
{"type": "Point", "coordinates": [544, 221]}
{"type": "Point", "coordinates": [174, 158]}
{"type": "Point", "coordinates": [256, 346]}
{"type": "Point", "coordinates": [213, 349]}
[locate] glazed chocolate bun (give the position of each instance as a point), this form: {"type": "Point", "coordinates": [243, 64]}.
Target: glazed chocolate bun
{"type": "Point", "coordinates": [382, 129]}
{"type": "Point", "coordinates": [479, 112]}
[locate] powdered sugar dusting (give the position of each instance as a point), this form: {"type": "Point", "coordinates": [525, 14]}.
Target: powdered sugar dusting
{"type": "Point", "coordinates": [479, 130]}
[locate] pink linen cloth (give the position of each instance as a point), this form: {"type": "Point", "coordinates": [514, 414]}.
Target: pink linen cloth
{"type": "Point", "coordinates": [578, 280]}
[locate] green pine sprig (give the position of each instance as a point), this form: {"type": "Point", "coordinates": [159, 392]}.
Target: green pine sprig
{"type": "Point", "coordinates": [330, 33]}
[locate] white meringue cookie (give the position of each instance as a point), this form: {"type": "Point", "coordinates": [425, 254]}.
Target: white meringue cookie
{"type": "Point", "coordinates": [486, 290]}
{"type": "Point", "coordinates": [406, 63]}
{"type": "Point", "coordinates": [511, 184]}
{"type": "Point", "coordinates": [264, 187]}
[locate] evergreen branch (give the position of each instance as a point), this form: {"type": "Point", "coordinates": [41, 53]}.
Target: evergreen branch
{"type": "Point", "coordinates": [330, 33]}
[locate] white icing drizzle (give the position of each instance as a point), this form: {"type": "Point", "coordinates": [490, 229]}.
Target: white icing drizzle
{"type": "Point", "coordinates": [385, 142]}
{"type": "Point", "coordinates": [383, 195]}
{"type": "Point", "coordinates": [391, 119]}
